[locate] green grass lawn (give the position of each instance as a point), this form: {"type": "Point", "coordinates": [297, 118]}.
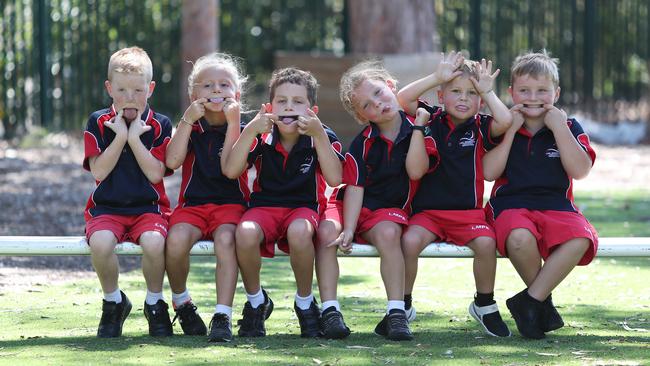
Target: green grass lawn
{"type": "Point", "coordinates": [606, 308]}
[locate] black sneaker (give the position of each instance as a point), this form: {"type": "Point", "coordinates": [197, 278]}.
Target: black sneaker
{"type": "Point", "coordinates": [252, 322]}
{"type": "Point", "coordinates": [551, 319]}
{"type": "Point", "coordinates": [394, 326]}
{"type": "Point", "coordinates": [113, 316]}
{"type": "Point", "coordinates": [409, 308]}
{"type": "Point", "coordinates": [220, 329]}
{"type": "Point", "coordinates": [490, 318]}
{"type": "Point", "coordinates": [190, 320]}
{"type": "Point", "coordinates": [527, 313]}
{"type": "Point", "coordinates": [158, 318]}
{"type": "Point", "coordinates": [308, 319]}
{"type": "Point", "coordinates": [332, 324]}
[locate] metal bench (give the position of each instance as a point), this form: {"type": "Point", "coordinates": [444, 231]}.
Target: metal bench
{"type": "Point", "coordinates": [76, 245]}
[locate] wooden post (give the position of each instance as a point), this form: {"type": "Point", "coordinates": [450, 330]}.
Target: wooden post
{"type": "Point", "coordinates": [200, 35]}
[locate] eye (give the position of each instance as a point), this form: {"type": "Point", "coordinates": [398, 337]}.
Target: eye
{"type": "Point", "coordinates": [225, 85]}
{"type": "Point", "coordinates": [473, 92]}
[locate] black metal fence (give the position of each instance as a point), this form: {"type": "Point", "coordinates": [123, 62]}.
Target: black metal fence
{"type": "Point", "coordinates": [53, 54]}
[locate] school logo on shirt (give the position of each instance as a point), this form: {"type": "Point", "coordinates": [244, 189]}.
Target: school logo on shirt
{"type": "Point", "coordinates": [467, 140]}
{"type": "Point", "coordinates": [304, 167]}
{"type": "Point", "coordinates": [552, 153]}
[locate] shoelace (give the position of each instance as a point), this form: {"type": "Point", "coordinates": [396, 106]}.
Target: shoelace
{"type": "Point", "coordinates": [399, 323]}
{"type": "Point", "coordinates": [219, 321]}
{"type": "Point", "coordinates": [251, 317]}
{"type": "Point", "coordinates": [332, 320]}
{"type": "Point", "coordinates": [185, 311]}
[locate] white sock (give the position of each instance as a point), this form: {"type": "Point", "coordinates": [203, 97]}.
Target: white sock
{"type": "Point", "coordinates": [303, 303]}
{"type": "Point", "coordinates": [329, 303]}
{"type": "Point", "coordinates": [256, 299]}
{"type": "Point", "coordinates": [180, 299]}
{"type": "Point", "coordinates": [153, 297]}
{"type": "Point", "coordinates": [395, 304]}
{"type": "Point", "coordinates": [223, 309]}
{"type": "Point", "coordinates": [115, 296]}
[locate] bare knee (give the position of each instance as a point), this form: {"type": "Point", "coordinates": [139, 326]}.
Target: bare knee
{"type": "Point", "coordinates": [152, 243]}
{"type": "Point", "coordinates": [412, 244]}
{"type": "Point", "coordinates": [102, 243]}
{"type": "Point", "coordinates": [483, 246]}
{"type": "Point", "coordinates": [300, 234]}
{"type": "Point", "coordinates": [327, 232]}
{"type": "Point", "coordinates": [224, 239]}
{"type": "Point", "coordinates": [520, 239]}
{"type": "Point", "coordinates": [248, 235]}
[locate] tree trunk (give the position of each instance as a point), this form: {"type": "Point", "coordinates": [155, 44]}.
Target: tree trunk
{"type": "Point", "coordinates": [200, 35]}
{"type": "Point", "coordinates": [389, 27]}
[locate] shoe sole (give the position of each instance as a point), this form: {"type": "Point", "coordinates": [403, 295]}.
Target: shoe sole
{"type": "Point", "coordinates": [219, 340]}
{"type": "Point", "coordinates": [517, 321]}
{"type": "Point", "coordinates": [336, 335]}
{"type": "Point", "coordinates": [475, 315]}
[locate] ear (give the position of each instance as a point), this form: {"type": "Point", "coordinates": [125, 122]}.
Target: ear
{"type": "Point", "coordinates": [268, 107]}
{"type": "Point", "coordinates": [392, 85]}
{"type": "Point", "coordinates": [315, 109]}
{"type": "Point", "coordinates": [152, 86]}
{"type": "Point", "coordinates": [557, 94]}
{"type": "Point", "coordinates": [441, 98]}
{"type": "Point", "coordinates": [238, 96]}
{"type": "Point", "coordinates": [360, 118]}
{"type": "Point", "coordinates": [109, 88]}
{"type": "Point", "coordinates": [510, 91]}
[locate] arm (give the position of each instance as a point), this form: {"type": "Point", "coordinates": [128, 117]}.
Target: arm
{"type": "Point", "coordinates": [330, 165]}
{"type": "Point", "coordinates": [417, 159]}
{"type": "Point", "coordinates": [495, 160]}
{"type": "Point", "coordinates": [103, 164]}
{"type": "Point", "coordinates": [575, 160]}
{"type": "Point", "coordinates": [502, 119]}
{"type": "Point", "coordinates": [152, 168]}
{"type": "Point", "coordinates": [235, 163]}
{"type": "Point", "coordinates": [352, 203]}
{"type": "Point", "coordinates": [177, 148]}
{"type": "Point", "coordinates": [408, 95]}
{"type": "Point", "coordinates": [233, 119]}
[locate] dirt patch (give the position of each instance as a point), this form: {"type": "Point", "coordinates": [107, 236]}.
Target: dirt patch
{"type": "Point", "coordinates": [43, 191]}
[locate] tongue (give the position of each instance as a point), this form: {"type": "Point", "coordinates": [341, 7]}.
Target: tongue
{"type": "Point", "coordinates": [130, 114]}
{"type": "Point", "coordinates": [215, 100]}
{"type": "Point", "coordinates": [287, 120]}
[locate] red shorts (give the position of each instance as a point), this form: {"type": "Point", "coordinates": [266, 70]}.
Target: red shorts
{"type": "Point", "coordinates": [550, 228]}
{"type": "Point", "coordinates": [333, 211]}
{"type": "Point", "coordinates": [275, 221]}
{"type": "Point", "coordinates": [208, 217]}
{"type": "Point", "coordinates": [127, 228]}
{"type": "Point", "coordinates": [457, 227]}
{"type": "Point", "coordinates": [368, 219]}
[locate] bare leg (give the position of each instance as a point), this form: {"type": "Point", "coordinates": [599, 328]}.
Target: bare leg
{"type": "Point", "coordinates": [414, 240]}
{"type": "Point", "coordinates": [300, 235]}
{"type": "Point", "coordinates": [557, 266]}
{"type": "Point", "coordinates": [102, 245]}
{"type": "Point", "coordinates": [385, 236]}
{"type": "Point", "coordinates": [226, 268]}
{"type": "Point", "coordinates": [179, 242]}
{"type": "Point", "coordinates": [153, 259]}
{"type": "Point", "coordinates": [524, 255]}
{"type": "Point", "coordinates": [327, 264]}
{"type": "Point", "coordinates": [485, 263]}
{"type": "Point", "coordinates": [248, 237]}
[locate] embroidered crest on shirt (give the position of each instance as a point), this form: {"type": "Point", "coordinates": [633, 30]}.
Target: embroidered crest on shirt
{"type": "Point", "coordinates": [304, 167]}
{"type": "Point", "coordinates": [552, 153]}
{"type": "Point", "coordinates": [467, 140]}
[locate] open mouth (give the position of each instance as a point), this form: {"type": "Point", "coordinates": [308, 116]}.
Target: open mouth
{"type": "Point", "coordinates": [129, 114]}
{"type": "Point", "coordinates": [287, 120]}
{"type": "Point", "coordinates": [533, 105]}
{"type": "Point", "coordinates": [215, 100]}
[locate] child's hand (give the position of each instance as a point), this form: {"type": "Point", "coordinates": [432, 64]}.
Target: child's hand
{"type": "Point", "coordinates": [517, 117]}
{"type": "Point", "coordinates": [447, 68]}
{"type": "Point", "coordinates": [117, 124]}
{"type": "Point", "coordinates": [263, 121]}
{"type": "Point", "coordinates": [195, 111]}
{"type": "Point", "coordinates": [344, 241]}
{"type": "Point", "coordinates": [138, 127]}
{"type": "Point", "coordinates": [231, 108]}
{"type": "Point", "coordinates": [310, 125]}
{"type": "Point", "coordinates": [421, 117]}
{"type": "Point", "coordinates": [554, 117]}
{"type": "Point", "coordinates": [485, 82]}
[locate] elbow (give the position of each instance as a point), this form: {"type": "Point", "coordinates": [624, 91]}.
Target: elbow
{"type": "Point", "coordinates": [230, 174]}
{"type": "Point", "coordinates": [415, 173]}
{"type": "Point", "coordinates": [99, 176]}
{"type": "Point", "coordinates": [334, 182]}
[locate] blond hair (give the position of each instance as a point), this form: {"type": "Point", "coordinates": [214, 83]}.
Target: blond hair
{"type": "Point", "coordinates": [355, 76]}
{"type": "Point", "coordinates": [536, 64]}
{"type": "Point", "coordinates": [468, 68]}
{"type": "Point", "coordinates": [131, 60]}
{"type": "Point", "coordinates": [219, 60]}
